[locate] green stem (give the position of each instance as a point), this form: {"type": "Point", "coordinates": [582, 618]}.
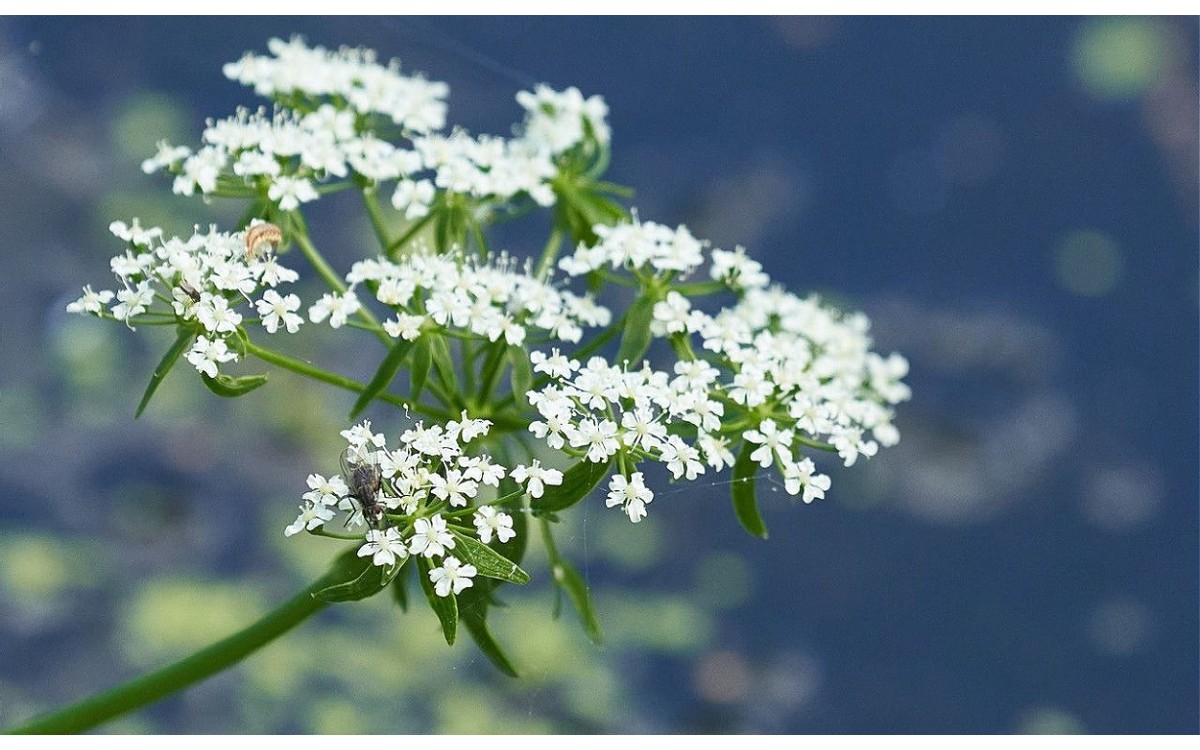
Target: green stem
{"type": "Point", "coordinates": [316, 373]}
{"type": "Point", "coordinates": [371, 201]}
{"type": "Point", "coordinates": [408, 235]}
{"type": "Point", "coordinates": [147, 689]}
{"type": "Point", "coordinates": [549, 254]}
{"type": "Point", "coordinates": [331, 277]}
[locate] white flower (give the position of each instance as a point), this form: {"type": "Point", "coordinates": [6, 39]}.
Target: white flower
{"type": "Point", "coordinates": [384, 547]}
{"type": "Point", "coordinates": [800, 475]}
{"type": "Point", "coordinates": [325, 491]}
{"type": "Point", "coordinates": [90, 302]}
{"type": "Point", "coordinates": [413, 198]}
{"type": "Point", "coordinates": [311, 516]}
{"type": "Point", "coordinates": [631, 494]}
{"type": "Point", "coordinates": [133, 302]}
{"type": "Point", "coordinates": [430, 537]}
{"type": "Point", "coordinates": [489, 521]}
{"type": "Point", "coordinates": [556, 365]}
{"type": "Point", "coordinates": [290, 192]}
{"type": "Point", "coordinates": [276, 310]}
{"type": "Point", "coordinates": [215, 314]}
{"type": "Point", "coordinates": [407, 327]}
{"type": "Point", "coordinates": [206, 354]}
{"type": "Point", "coordinates": [452, 575]}
{"type": "Point", "coordinates": [600, 437]}
{"type": "Point", "coordinates": [453, 488]}
{"type": "Point", "coordinates": [537, 477]}
{"type": "Point", "coordinates": [336, 307]}
{"type": "Point", "coordinates": [773, 443]}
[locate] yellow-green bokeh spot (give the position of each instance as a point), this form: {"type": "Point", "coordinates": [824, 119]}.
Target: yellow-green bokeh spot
{"type": "Point", "coordinates": [168, 618]}
{"type": "Point", "coordinates": [1121, 58]}
{"type": "Point", "coordinates": [36, 568]}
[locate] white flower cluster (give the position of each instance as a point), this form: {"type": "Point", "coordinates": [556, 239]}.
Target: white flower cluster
{"type": "Point", "coordinates": [323, 129]}
{"type": "Point", "coordinates": [414, 498]}
{"type": "Point", "coordinates": [350, 75]}
{"type": "Point", "coordinates": [780, 373]}
{"type": "Point", "coordinates": [493, 299]}
{"type": "Point", "coordinates": [598, 411]}
{"type": "Point", "coordinates": [636, 246]}
{"type": "Point", "coordinates": [560, 120]}
{"type": "Point", "coordinates": [199, 280]}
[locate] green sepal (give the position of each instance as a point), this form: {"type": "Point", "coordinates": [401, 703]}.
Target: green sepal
{"type": "Point", "coordinates": [182, 343]}
{"type": "Point", "coordinates": [487, 561]}
{"type": "Point", "coordinates": [383, 376]}
{"type": "Point", "coordinates": [567, 578]}
{"type": "Point", "coordinates": [578, 481]}
{"type": "Point", "coordinates": [745, 505]}
{"type": "Point", "coordinates": [227, 386]}
{"type": "Point", "coordinates": [636, 338]}
{"type": "Point", "coordinates": [422, 360]}
{"type": "Point", "coordinates": [445, 607]}
{"type": "Point", "coordinates": [522, 373]}
{"type": "Point", "coordinates": [473, 606]}
{"type": "Point", "coordinates": [362, 579]}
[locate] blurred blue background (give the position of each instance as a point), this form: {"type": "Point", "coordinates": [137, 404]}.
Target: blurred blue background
{"type": "Point", "coordinates": [1013, 201]}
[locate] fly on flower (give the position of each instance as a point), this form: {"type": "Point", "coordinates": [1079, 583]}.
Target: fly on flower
{"type": "Point", "coordinates": [365, 480]}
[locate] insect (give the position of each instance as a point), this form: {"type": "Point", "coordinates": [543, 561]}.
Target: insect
{"type": "Point", "coordinates": [261, 237]}
{"type": "Point", "coordinates": [365, 481]}
{"type": "Point", "coordinates": [190, 291]}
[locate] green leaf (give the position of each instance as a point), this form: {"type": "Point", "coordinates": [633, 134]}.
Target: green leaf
{"type": "Point", "coordinates": [421, 362]}
{"type": "Point", "coordinates": [442, 362]}
{"type": "Point", "coordinates": [400, 588]}
{"type": "Point", "coordinates": [522, 373]}
{"type": "Point", "coordinates": [363, 579]}
{"type": "Point", "coordinates": [517, 546]}
{"type": "Point", "coordinates": [745, 505]}
{"type": "Point", "coordinates": [445, 607]}
{"type": "Point", "coordinates": [473, 607]}
{"type": "Point", "coordinates": [487, 561]}
{"type": "Point", "coordinates": [182, 344]}
{"type": "Point", "coordinates": [635, 339]}
{"type": "Point", "coordinates": [578, 481]}
{"type": "Point", "coordinates": [566, 577]}
{"type": "Point", "coordinates": [227, 386]}
{"type": "Point", "coordinates": [383, 376]}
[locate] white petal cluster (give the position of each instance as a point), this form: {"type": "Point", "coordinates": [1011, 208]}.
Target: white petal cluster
{"type": "Point", "coordinates": [636, 246]}
{"type": "Point", "coordinates": [488, 166]}
{"type": "Point", "coordinates": [493, 299]}
{"type": "Point", "coordinates": [331, 107]}
{"type": "Point", "coordinates": [424, 479]}
{"type": "Point", "coordinates": [789, 372]}
{"type": "Point", "coordinates": [349, 74]}
{"type": "Point", "coordinates": [557, 121]}
{"type": "Point", "coordinates": [204, 280]}
{"type": "Point", "coordinates": [597, 411]}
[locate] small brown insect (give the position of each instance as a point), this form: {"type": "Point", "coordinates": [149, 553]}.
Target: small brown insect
{"type": "Point", "coordinates": [190, 291]}
{"type": "Point", "coordinates": [262, 237]}
{"type": "Point", "coordinates": [365, 481]}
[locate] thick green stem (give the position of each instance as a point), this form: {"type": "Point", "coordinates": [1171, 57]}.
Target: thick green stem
{"type": "Point", "coordinates": [206, 662]}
